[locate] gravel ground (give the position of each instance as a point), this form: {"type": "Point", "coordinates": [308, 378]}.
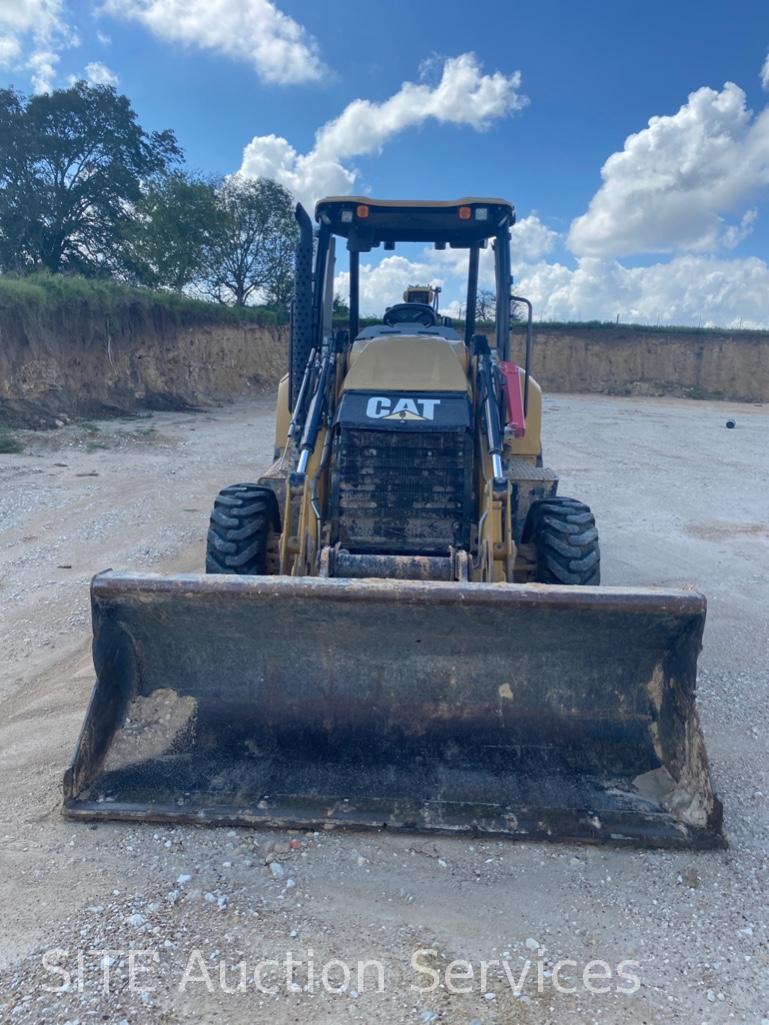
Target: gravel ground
{"type": "Point", "coordinates": [128, 925]}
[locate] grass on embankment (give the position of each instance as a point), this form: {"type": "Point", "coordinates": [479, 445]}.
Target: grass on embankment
{"type": "Point", "coordinates": [598, 326]}
{"type": "Point", "coordinates": [42, 293]}
{"type": "Point", "coordinates": [612, 325]}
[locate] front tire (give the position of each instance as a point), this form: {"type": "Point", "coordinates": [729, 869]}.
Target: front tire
{"type": "Point", "coordinates": [565, 539]}
{"type": "Point", "coordinates": [242, 528]}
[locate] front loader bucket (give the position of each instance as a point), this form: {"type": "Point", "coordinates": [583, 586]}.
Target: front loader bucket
{"type": "Point", "coordinates": [526, 711]}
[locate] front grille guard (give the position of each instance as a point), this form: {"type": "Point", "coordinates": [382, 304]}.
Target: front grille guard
{"type": "Point", "coordinates": [401, 492]}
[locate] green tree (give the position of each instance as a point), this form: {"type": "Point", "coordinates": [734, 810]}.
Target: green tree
{"type": "Point", "coordinates": [339, 307]}
{"type": "Point", "coordinates": [251, 258]}
{"type": "Point", "coordinates": [174, 224]}
{"type": "Point", "coordinates": [72, 166]}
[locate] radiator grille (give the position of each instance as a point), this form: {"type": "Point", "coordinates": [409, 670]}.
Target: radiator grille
{"type": "Point", "coordinates": [399, 491]}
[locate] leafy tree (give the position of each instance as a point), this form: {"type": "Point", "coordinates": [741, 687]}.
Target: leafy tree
{"type": "Point", "coordinates": [174, 224]}
{"type": "Point", "coordinates": [339, 307]}
{"type": "Point", "coordinates": [72, 165]}
{"type": "Point", "coordinates": [252, 255]}
{"type": "Point", "coordinates": [279, 291]}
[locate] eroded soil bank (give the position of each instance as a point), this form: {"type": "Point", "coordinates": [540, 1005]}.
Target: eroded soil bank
{"type": "Point", "coordinates": [629, 360]}
{"type": "Point", "coordinates": [77, 360]}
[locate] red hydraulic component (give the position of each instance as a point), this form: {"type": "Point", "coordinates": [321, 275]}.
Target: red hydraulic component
{"type": "Point", "coordinates": [511, 382]}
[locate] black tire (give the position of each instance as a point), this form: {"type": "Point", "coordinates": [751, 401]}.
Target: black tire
{"type": "Point", "coordinates": [565, 538]}
{"type": "Point", "coordinates": [243, 522]}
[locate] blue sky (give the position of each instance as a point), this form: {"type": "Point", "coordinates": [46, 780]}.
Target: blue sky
{"type": "Point", "coordinates": [526, 102]}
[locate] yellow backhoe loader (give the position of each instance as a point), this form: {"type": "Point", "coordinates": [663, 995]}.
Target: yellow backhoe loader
{"type": "Point", "coordinates": [427, 294]}
{"type": "Point", "coordinates": [400, 625]}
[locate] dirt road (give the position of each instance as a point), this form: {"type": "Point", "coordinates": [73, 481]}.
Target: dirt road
{"type": "Point", "coordinates": [679, 500]}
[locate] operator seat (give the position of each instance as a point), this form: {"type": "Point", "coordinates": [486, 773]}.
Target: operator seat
{"type": "Point", "coordinates": [410, 313]}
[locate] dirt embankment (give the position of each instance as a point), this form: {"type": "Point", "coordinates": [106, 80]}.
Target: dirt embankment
{"type": "Point", "coordinates": [630, 361]}
{"type": "Point", "coordinates": [75, 360]}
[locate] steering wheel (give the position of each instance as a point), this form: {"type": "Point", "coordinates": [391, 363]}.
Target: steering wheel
{"type": "Point", "coordinates": [410, 313]}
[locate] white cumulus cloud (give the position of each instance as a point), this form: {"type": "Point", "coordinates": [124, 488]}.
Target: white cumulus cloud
{"type": "Point", "coordinates": [32, 33]}
{"type": "Point", "coordinates": [689, 289]}
{"type": "Point", "coordinates": [42, 66]}
{"type": "Point", "coordinates": [253, 31]}
{"type": "Point", "coordinates": [463, 95]}
{"type": "Point", "coordinates": [20, 16]}
{"type": "Point", "coordinates": [675, 182]}
{"type": "Point", "coordinates": [383, 283]}
{"type": "Point", "coordinates": [97, 73]}
{"type": "Point", "coordinates": [530, 240]}
{"type": "Point", "coordinates": [764, 75]}
{"type": "Point", "coordinates": [10, 50]}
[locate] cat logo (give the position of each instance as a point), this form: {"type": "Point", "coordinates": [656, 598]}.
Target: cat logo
{"type": "Point", "coordinates": [380, 407]}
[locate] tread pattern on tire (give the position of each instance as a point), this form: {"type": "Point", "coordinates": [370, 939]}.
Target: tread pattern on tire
{"type": "Point", "coordinates": [565, 538]}
{"type": "Point", "coordinates": [243, 517]}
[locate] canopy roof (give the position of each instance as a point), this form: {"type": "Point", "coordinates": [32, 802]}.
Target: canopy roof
{"type": "Point", "coordinates": [367, 222]}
